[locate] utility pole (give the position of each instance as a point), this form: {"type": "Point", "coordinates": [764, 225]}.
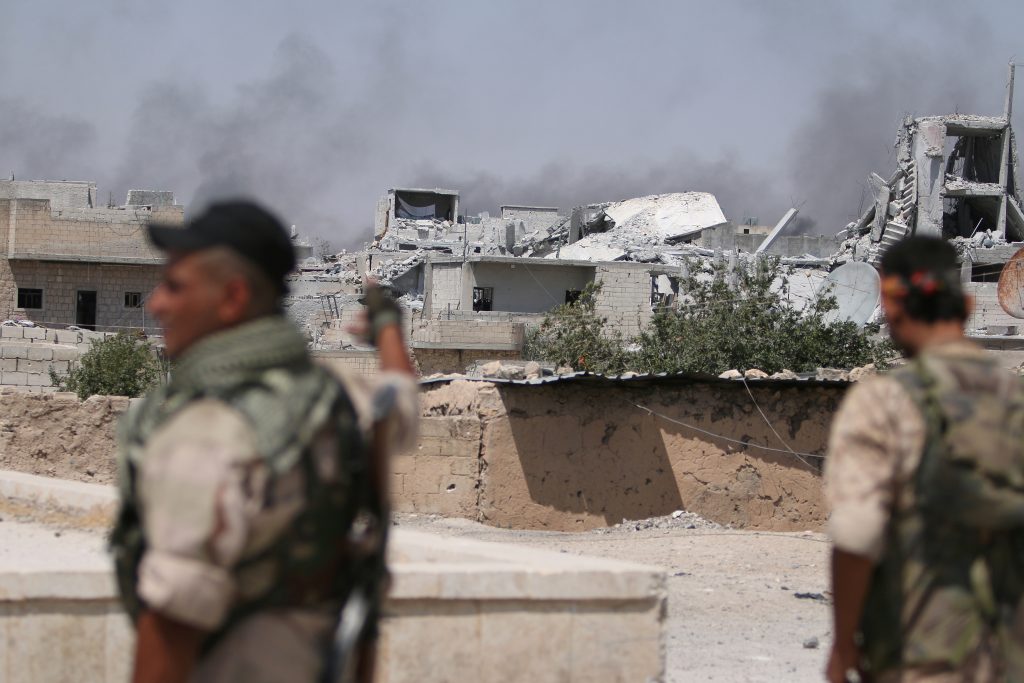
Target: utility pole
{"type": "Point", "coordinates": [1004, 159]}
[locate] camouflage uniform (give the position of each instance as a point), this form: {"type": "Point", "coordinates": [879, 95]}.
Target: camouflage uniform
{"type": "Point", "coordinates": [921, 619]}
{"type": "Point", "coordinates": [238, 482]}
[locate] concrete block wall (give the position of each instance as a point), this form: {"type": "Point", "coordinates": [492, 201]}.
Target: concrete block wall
{"type": "Point", "coordinates": [35, 227]}
{"type": "Point", "coordinates": [475, 333]}
{"type": "Point", "coordinates": [455, 361]}
{"type": "Point", "coordinates": [61, 282]}
{"type": "Point", "coordinates": [28, 353]}
{"type": "Point", "coordinates": [445, 288]}
{"type": "Point", "coordinates": [440, 475]}
{"type": "Point", "coordinates": [62, 194]}
{"type": "Point", "coordinates": [987, 310]}
{"type": "Point", "coordinates": [624, 299]}
{"type": "Point", "coordinates": [573, 456]}
{"type": "Point", "coordinates": [349, 362]}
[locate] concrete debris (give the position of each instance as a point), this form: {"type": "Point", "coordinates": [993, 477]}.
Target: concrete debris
{"type": "Point", "coordinates": [754, 373]}
{"type": "Point", "coordinates": [680, 519]}
{"type": "Point", "coordinates": [630, 229]}
{"type": "Point", "coordinates": [731, 374]}
{"type": "Point", "coordinates": [858, 374]}
{"type": "Point", "coordinates": [785, 374]}
{"type": "Point", "coordinates": [832, 374]}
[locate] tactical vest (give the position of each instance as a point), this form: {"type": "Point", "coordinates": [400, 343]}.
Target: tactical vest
{"type": "Point", "coordinates": [263, 371]}
{"type": "Point", "coordinates": [951, 580]}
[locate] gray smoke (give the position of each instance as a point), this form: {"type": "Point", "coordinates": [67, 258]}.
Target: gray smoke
{"type": "Point", "coordinates": [290, 139]}
{"type": "Point", "coordinates": [34, 142]}
{"type": "Point", "coordinates": [320, 139]}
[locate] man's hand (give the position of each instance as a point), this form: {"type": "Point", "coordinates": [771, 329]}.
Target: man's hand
{"type": "Point", "coordinates": [851, 580]}
{"type": "Point", "coordinates": [166, 651]}
{"type": "Point", "coordinates": [842, 660]}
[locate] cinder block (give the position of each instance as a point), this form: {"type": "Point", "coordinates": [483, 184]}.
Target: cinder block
{"type": "Point", "coordinates": [12, 332]}
{"type": "Point", "coordinates": [65, 353]}
{"type": "Point", "coordinates": [30, 366]}
{"type": "Point", "coordinates": [40, 352]}
{"type": "Point", "coordinates": [38, 380]}
{"type": "Point", "coordinates": [8, 364]}
{"type": "Point", "coordinates": [14, 378]}
{"type": "Point", "coordinates": [61, 367]}
{"type": "Point", "coordinates": [35, 332]}
{"type": "Point", "coordinates": [14, 351]}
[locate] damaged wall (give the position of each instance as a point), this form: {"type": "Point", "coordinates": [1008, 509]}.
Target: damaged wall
{"type": "Point", "coordinates": [571, 456]}
{"type": "Point", "coordinates": [564, 456]}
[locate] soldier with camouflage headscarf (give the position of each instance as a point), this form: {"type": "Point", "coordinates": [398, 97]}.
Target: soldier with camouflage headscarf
{"type": "Point", "coordinates": [244, 477]}
{"type": "Point", "coordinates": [925, 476]}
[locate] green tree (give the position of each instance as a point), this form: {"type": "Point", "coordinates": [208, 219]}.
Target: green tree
{"type": "Point", "coordinates": [574, 334]}
{"type": "Point", "coordinates": [120, 365]}
{"type": "Point", "coordinates": [744, 318]}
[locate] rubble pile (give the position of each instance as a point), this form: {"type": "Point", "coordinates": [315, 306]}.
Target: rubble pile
{"type": "Point", "coordinates": [635, 229]}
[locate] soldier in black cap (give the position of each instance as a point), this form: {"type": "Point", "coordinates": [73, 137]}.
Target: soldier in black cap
{"type": "Point", "coordinates": [243, 478]}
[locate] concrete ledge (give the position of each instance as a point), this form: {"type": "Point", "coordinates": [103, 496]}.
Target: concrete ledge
{"type": "Point", "coordinates": [458, 610]}
{"type": "Point", "coordinates": [429, 568]}
{"type": "Point", "coordinates": [58, 502]}
{"type": "Point", "coordinates": [60, 494]}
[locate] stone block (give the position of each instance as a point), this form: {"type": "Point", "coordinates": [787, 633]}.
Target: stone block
{"type": "Point", "coordinates": [40, 352]}
{"type": "Point", "coordinates": [67, 336]}
{"type": "Point", "coordinates": [39, 380]}
{"type": "Point", "coordinates": [31, 366]}
{"type": "Point", "coordinates": [19, 379]}
{"type": "Point", "coordinates": [65, 353]}
{"type": "Point", "coordinates": [14, 351]}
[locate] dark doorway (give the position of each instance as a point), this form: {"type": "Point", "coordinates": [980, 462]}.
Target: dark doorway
{"type": "Point", "coordinates": [483, 298]}
{"type": "Point", "coordinates": [85, 311]}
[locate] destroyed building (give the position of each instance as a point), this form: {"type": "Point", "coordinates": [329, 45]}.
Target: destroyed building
{"type": "Point", "coordinates": [71, 262]}
{"type": "Point", "coordinates": [957, 177]}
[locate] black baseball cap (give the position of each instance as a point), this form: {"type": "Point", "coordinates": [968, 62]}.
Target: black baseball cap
{"type": "Point", "coordinates": [240, 225]}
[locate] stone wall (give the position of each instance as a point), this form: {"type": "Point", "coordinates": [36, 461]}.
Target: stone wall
{"type": "Point", "coordinates": [62, 194]}
{"type": "Point", "coordinates": [582, 455]}
{"type": "Point", "coordinates": [61, 283]}
{"type": "Point", "coordinates": [497, 334]}
{"type": "Point", "coordinates": [561, 456]}
{"type": "Point", "coordinates": [35, 228]}
{"type": "Point", "coordinates": [349, 362]}
{"type": "Point", "coordinates": [625, 298]}
{"type": "Point", "coordinates": [443, 287]}
{"type": "Point", "coordinates": [987, 310]}
{"type": "Point", "coordinates": [455, 361]}
{"type": "Point", "coordinates": [57, 435]}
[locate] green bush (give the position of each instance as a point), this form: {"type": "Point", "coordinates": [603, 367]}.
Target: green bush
{"type": "Point", "coordinates": [573, 334]}
{"type": "Point", "coordinates": [120, 365]}
{"type": "Point", "coordinates": [725, 319]}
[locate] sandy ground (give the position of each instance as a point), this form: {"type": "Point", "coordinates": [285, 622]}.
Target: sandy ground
{"type": "Point", "coordinates": [743, 605]}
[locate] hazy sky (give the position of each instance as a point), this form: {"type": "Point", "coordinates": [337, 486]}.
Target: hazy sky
{"type": "Point", "coordinates": [317, 108]}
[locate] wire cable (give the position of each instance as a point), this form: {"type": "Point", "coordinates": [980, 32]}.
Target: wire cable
{"type": "Point", "coordinates": [722, 436]}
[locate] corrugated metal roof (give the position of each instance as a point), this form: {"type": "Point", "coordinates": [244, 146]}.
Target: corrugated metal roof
{"type": "Point", "coordinates": [803, 379]}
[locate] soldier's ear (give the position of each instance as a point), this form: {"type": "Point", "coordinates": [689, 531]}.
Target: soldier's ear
{"type": "Point", "coordinates": [236, 301]}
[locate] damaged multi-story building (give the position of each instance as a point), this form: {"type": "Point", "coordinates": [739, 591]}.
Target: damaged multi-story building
{"type": "Point", "coordinates": [957, 177]}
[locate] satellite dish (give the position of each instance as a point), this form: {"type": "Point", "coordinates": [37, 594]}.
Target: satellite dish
{"type": "Point", "coordinates": [856, 287]}
{"type": "Point", "coordinates": [1011, 285]}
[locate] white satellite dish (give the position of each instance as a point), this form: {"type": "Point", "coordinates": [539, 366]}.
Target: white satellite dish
{"type": "Point", "coordinates": [856, 287]}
